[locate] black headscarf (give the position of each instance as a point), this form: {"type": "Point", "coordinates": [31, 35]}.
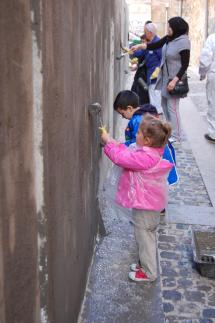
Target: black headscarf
{"type": "Point", "coordinates": [179, 27]}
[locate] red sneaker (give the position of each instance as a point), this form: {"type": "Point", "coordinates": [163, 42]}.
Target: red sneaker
{"type": "Point", "coordinates": [139, 276]}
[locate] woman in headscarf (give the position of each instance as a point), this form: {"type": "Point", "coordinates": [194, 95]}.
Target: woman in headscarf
{"type": "Point", "coordinates": [175, 61]}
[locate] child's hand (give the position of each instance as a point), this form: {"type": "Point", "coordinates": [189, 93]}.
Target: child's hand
{"type": "Point", "coordinates": [103, 129]}
{"type": "Point", "coordinates": [105, 137]}
{"type": "Point", "coordinates": [104, 134]}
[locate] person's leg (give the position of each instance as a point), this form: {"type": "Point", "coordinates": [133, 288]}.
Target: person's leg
{"type": "Point", "coordinates": [165, 108]}
{"type": "Point", "coordinates": [155, 98]}
{"type": "Point", "coordinates": [145, 226]}
{"type": "Point", "coordinates": [210, 91]}
{"type": "Point", "coordinates": [134, 86]}
{"type": "Point", "coordinates": [143, 93]}
{"type": "Point", "coordinates": [174, 117]}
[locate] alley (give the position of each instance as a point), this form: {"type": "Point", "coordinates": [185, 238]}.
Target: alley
{"type": "Point", "coordinates": [62, 65]}
{"type": "Point", "coordinates": [181, 294]}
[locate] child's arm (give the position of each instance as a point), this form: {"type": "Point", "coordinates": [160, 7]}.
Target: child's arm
{"type": "Point", "coordinates": [130, 159]}
{"type": "Point", "coordinates": [131, 131]}
{"type": "Point", "coordinates": [120, 155]}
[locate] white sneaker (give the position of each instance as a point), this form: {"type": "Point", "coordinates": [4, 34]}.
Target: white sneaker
{"type": "Point", "coordinates": [135, 267]}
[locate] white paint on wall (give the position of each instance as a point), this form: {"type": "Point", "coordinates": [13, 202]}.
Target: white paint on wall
{"type": "Point", "coordinates": [38, 158]}
{"type": "Point", "coordinates": [37, 122]}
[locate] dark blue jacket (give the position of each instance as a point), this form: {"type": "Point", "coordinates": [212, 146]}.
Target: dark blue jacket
{"type": "Point", "coordinates": [152, 59]}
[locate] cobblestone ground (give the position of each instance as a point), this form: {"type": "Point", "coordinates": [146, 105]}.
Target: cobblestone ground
{"type": "Point", "coordinates": [187, 296]}
{"type": "Point", "coordinates": [190, 190]}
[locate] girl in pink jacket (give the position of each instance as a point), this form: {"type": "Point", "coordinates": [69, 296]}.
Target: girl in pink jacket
{"type": "Point", "coordinates": [143, 187]}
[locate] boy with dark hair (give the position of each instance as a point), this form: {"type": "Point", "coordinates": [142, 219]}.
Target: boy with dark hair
{"type": "Point", "coordinates": [127, 105]}
{"type": "Point", "coordinates": [126, 98]}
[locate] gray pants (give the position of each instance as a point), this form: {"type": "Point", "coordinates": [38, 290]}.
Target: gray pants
{"type": "Point", "coordinates": [145, 226]}
{"type": "Point", "coordinates": [210, 91]}
{"type": "Point", "coordinates": [155, 98]}
{"type": "Point", "coordinates": [171, 112]}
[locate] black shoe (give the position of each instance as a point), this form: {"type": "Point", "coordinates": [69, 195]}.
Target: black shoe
{"type": "Point", "coordinates": [209, 138]}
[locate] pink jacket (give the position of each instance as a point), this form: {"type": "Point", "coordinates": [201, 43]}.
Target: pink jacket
{"type": "Point", "coordinates": [143, 183]}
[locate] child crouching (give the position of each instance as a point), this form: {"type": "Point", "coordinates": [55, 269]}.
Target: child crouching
{"type": "Point", "coordinates": [143, 187]}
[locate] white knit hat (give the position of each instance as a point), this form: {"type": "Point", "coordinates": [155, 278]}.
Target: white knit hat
{"type": "Point", "coordinates": [151, 27]}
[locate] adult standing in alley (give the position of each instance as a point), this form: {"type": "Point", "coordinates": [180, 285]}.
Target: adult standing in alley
{"type": "Point", "coordinates": [175, 60]}
{"type": "Point", "coordinates": [207, 69]}
{"type": "Point", "coordinates": [139, 85]}
{"type": "Point", "coordinates": [152, 61]}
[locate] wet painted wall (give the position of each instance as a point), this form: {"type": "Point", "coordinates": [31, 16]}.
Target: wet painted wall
{"type": "Point", "coordinates": [19, 297]}
{"type": "Point", "coordinates": [57, 58]}
{"type": "Point", "coordinates": [79, 43]}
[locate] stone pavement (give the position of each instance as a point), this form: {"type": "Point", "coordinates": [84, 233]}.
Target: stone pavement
{"type": "Point", "coordinates": [181, 294]}
{"type": "Point", "coordinates": [186, 296]}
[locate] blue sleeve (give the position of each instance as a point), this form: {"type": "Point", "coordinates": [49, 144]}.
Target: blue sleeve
{"type": "Point", "coordinates": [128, 134]}
{"type": "Point", "coordinates": [136, 124]}
{"type": "Point", "coordinates": [140, 52]}
{"type": "Point", "coordinates": [131, 130]}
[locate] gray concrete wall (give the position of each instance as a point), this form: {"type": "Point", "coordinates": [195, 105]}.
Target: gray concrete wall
{"type": "Point", "coordinates": [56, 59]}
